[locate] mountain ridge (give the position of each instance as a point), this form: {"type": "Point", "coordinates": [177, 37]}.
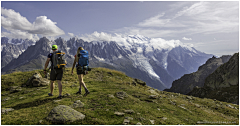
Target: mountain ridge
{"type": "Point", "coordinates": [134, 53]}
{"type": "Point", "coordinates": [222, 84]}
{"type": "Point", "coordinates": [188, 81]}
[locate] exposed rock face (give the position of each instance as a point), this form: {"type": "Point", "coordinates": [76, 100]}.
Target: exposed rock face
{"type": "Point", "coordinates": [187, 82]}
{"type": "Point", "coordinates": [63, 114]}
{"type": "Point", "coordinates": [223, 83]}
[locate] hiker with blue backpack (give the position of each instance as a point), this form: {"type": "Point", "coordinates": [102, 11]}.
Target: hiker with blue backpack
{"type": "Point", "coordinates": [82, 60]}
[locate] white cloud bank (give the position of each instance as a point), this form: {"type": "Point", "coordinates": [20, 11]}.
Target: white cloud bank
{"type": "Point", "coordinates": [19, 26]}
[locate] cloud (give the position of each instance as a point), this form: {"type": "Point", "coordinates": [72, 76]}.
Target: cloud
{"type": "Point", "coordinates": [189, 18]}
{"type": "Point", "coordinates": [17, 34]}
{"type": "Point", "coordinates": [71, 34]}
{"type": "Point", "coordinates": [184, 38]}
{"type": "Point", "coordinates": [96, 37]}
{"type": "Point", "coordinates": [154, 21]}
{"type": "Point", "coordinates": [46, 27]}
{"type": "Point", "coordinates": [102, 36]}
{"type": "Point", "coordinates": [16, 24]}
{"type": "Point", "coordinates": [11, 20]}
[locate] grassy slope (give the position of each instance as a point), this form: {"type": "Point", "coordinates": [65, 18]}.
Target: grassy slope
{"type": "Point", "coordinates": [99, 108]}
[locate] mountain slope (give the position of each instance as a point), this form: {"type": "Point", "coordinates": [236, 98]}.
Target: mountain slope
{"type": "Point", "coordinates": [188, 81]}
{"type": "Point", "coordinates": [156, 61]}
{"type": "Point", "coordinates": [40, 49]}
{"type": "Point", "coordinates": [143, 105]}
{"type": "Point", "coordinates": [223, 83]}
{"type": "Point", "coordinates": [172, 57]}
{"type": "Point", "coordinates": [10, 51]}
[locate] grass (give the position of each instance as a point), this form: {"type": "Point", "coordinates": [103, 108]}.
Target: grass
{"type": "Point", "coordinates": [99, 108]}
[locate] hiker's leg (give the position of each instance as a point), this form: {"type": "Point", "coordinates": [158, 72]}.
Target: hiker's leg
{"type": "Point", "coordinates": [52, 86]}
{"type": "Point", "coordinates": [83, 84]}
{"type": "Point", "coordinates": [59, 78]}
{"type": "Point", "coordinates": [81, 81]}
{"type": "Point", "coordinates": [59, 87]}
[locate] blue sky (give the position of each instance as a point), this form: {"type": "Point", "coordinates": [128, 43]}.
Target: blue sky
{"type": "Point", "coordinates": [211, 27]}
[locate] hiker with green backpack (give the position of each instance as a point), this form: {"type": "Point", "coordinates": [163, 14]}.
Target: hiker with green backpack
{"type": "Point", "coordinates": [57, 65]}
{"type": "Point", "coordinates": [82, 60]}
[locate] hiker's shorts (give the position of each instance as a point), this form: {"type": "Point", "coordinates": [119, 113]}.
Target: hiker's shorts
{"type": "Point", "coordinates": [80, 71]}
{"type": "Point", "coordinates": [56, 74]}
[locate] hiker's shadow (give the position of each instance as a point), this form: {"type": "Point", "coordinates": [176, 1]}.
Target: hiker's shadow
{"type": "Point", "coordinates": [34, 103]}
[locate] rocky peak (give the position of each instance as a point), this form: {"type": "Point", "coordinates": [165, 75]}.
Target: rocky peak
{"type": "Point", "coordinates": [4, 40]}
{"type": "Point", "coordinates": [187, 82]}
{"type": "Point", "coordinates": [223, 83]}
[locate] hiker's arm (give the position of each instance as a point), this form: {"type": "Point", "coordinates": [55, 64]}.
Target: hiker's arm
{"type": "Point", "coordinates": [74, 63]}
{"type": "Point", "coordinates": [46, 64]}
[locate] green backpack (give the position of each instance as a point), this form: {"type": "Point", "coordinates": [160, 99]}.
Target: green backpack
{"type": "Point", "coordinates": [58, 59]}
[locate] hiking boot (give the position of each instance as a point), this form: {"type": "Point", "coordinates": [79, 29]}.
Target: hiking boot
{"type": "Point", "coordinates": [79, 92]}
{"type": "Point", "coordinates": [49, 94]}
{"type": "Point", "coordinates": [87, 92]}
{"type": "Point", "coordinates": [59, 97]}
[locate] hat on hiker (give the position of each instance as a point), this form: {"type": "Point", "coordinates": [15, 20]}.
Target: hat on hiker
{"type": "Point", "coordinates": [54, 47]}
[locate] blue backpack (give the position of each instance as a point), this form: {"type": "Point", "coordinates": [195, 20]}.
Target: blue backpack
{"type": "Point", "coordinates": [83, 58]}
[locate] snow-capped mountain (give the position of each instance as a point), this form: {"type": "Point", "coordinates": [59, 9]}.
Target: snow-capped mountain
{"type": "Point", "coordinates": [11, 49]}
{"type": "Point", "coordinates": [156, 61]}
{"type": "Point", "coordinates": [173, 58]}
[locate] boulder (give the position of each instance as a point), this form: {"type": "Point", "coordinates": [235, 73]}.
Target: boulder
{"type": "Point", "coordinates": [121, 95]}
{"type": "Point", "coordinates": [6, 110]}
{"type": "Point", "coordinates": [77, 104]}
{"type": "Point", "coordinates": [14, 89]}
{"type": "Point", "coordinates": [189, 97]}
{"type": "Point", "coordinates": [129, 111]}
{"type": "Point", "coordinates": [110, 96]}
{"type": "Point", "coordinates": [63, 114]}
{"type": "Point", "coordinates": [153, 96]}
{"type": "Point", "coordinates": [152, 121]}
{"type": "Point", "coordinates": [139, 123]}
{"type": "Point", "coordinates": [56, 101]}
{"type": "Point", "coordinates": [153, 91]}
{"type": "Point", "coordinates": [126, 122]}
{"type": "Point", "coordinates": [119, 113]}
{"type": "Point", "coordinates": [6, 99]}
{"type": "Point", "coordinates": [36, 81]}
{"type": "Point", "coordinates": [164, 118]}
{"type": "Point", "coordinates": [129, 118]}
{"type": "Point", "coordinates": [140, 82]}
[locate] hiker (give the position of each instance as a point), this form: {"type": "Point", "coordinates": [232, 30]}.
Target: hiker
{"type": "Point", "coordinates": [56, 73]}
{"type": "Point", "coordinates": [81, 68]}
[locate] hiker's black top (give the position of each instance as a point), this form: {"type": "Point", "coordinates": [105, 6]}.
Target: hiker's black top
{"type": "Point", "coordinates": [50, 56]}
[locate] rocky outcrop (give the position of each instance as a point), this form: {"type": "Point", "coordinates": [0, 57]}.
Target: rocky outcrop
{"type": "Point", "coordinates": [223, 83]}
{"type": "Point", "coordinates": [187, 82]}
{"type": "Point", "coordinates": [37, 80]}
{"type": "Point", "coordinates": [6, 110]}
{"type": "Point", "coordinates": [63, 114]}
{"type": "Point", "coordinates": [121, 95]}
